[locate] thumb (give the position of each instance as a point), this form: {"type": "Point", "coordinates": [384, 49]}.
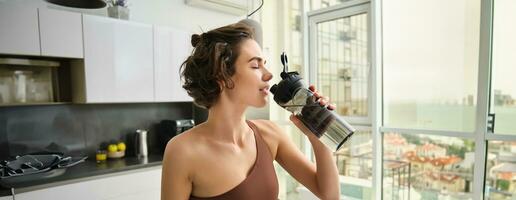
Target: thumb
{"type": "Point", "coordinates": [300, 125]}
{"type": "Point", "coordinates": [294, 119]}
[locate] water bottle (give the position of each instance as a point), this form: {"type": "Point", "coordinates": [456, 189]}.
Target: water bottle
{"type": "Point", "coordinates": [291, 94]}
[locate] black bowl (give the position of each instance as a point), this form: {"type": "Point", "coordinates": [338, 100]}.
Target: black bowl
{"type": "Point", "coordinates": [87, 4]}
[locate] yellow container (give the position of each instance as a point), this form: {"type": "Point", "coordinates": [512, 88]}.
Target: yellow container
{"type": "Point", "coordinates": [101, 156]}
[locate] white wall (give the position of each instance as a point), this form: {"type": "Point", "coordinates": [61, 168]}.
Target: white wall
{"type": "Point", "coordinates": [173, 13]}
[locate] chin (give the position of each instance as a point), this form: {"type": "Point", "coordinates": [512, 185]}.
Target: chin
{"type": "Point", "coordinates": [260, 104]}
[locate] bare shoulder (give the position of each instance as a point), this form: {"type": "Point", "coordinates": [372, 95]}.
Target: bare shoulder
{"type": "Point", "coordinates": [180, 149]}
{"type": "Point", "coordinates": [177, 144]}
{"type": "Point", "coordinates": [177, 172]}
{"type": "Point", "coordinates": [273, 134]}
{"type": "Point", "coordinates": [268, 128]}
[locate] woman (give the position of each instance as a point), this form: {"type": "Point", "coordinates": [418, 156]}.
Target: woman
{"type": "Point", "coordinates": [229, 157]}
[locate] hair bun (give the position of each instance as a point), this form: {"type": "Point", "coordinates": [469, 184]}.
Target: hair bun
{"type": "Point", "coordinates": [196, 38]}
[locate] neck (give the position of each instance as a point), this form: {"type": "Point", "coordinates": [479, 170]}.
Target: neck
{"type": "Point", "coordinates": [227, 122]}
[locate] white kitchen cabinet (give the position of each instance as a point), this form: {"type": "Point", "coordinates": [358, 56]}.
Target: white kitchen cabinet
{"type": "Point", "coordinates": [132, 185]}
{"type": "Point", "coordinates": [171, 48]}
{"type": "Point", "coordinates": [118, 62]}
{"type": "Point", "coordinates": [60, 33]}
{"type": "Point", "coordinates": [19, 34]}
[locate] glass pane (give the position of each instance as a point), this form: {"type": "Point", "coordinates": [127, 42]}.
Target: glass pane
{"type": "Point", "coordinates": [430, 63]}
{"type": "Point", "coordinates": [343, 64]}
{"type": "Point", "coordinates": [501, 170]}
{"type": "Point", "coordinates": [427, 167]}
{"type": "Point", "coordinates": [504, 66]}
{"type": "Point", "coordinates": [355, 164]}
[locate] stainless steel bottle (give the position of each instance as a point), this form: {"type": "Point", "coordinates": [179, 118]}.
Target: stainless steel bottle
{"type": "Point", "coordinates": [291, 94]}
{"type": "Point", "coordinates": [141, 143]}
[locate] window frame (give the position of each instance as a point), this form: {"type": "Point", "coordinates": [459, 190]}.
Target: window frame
{"type": "Point", "coordinates": [374, 119]}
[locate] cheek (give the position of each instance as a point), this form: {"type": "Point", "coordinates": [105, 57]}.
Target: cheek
{"type": "Point", "coordinates": [249, 78]}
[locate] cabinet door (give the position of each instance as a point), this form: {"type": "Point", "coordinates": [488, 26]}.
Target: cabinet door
{"type": "Point", "coordinates": [6, 198]}
{"type": "Point", "coordinates": [118, 61]}
{"type": "Point", "coordinates": [171, 48]}
{"type": "Point", "coordinates": [61, 33]}
{"type": "Point", "coordinates": [19, 30]}
{"type": "Point", "coordinates": [145, 184]}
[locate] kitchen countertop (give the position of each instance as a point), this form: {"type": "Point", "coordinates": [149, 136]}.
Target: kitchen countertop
{"type": "Point", "coordinates": [80, 172]}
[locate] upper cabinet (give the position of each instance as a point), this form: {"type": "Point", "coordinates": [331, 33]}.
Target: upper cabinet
{"type": "Point", "coordinates": [61, 33]}
{"type": "Point", "coordinates": [118, 62]}
{"type": "Point", "coordinates": [19, 34]}
{"type": "Point", "coordinates": [35, 32]}
{"type": "Point", "coordinates": [171, 48]}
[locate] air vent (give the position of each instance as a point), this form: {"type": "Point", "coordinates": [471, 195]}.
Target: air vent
{"type": "Point", "coordinates": [234, 7]}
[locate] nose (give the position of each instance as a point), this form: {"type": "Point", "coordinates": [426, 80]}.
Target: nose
{"type": "Point", "coordinates": [267, 75]}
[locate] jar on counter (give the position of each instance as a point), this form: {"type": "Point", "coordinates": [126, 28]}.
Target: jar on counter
{"type": "Point", "coordinates": [101, 156]}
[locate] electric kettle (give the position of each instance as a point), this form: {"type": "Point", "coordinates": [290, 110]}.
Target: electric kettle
{"type": "Point", "coordinates": [140, 141]}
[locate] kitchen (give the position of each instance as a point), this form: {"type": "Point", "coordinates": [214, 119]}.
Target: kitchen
{"type": "Point", "coordinates": [51, 103]}
{"type": "Point", "coordinates": [421, 83]}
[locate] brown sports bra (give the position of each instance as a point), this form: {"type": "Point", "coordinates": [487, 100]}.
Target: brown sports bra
{"type": "Point", "coordinates": [261, 183]}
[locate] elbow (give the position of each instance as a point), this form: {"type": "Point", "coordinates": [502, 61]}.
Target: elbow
{"type": "Point", "coordinates": [332, 196]}
{"type": "Point", "coordinates": [328, 195]}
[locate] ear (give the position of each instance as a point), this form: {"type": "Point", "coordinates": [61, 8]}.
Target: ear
{"type": "Point", "coordinates": [222, 85]}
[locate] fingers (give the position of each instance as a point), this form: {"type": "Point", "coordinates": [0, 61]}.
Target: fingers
{"type": "Point", "coordinates": [323, 101]}
{"type": "Point", "coordinates": [312, 88]}
{"type": "Point", "coordinates": [316, 94]}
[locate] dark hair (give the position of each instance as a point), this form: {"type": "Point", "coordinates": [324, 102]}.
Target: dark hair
{"type": "Point", "coordinates": [211, 64]}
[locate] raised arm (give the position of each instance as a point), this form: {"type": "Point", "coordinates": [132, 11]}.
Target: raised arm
{"type": "Point", "coordinates": [322, 178]}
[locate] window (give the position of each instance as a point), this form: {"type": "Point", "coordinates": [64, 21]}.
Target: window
{"type": "Point", "coordinates": [427, 167]}
{"type": "Point", "coordinates": [355, 163]}
{"type": "Point", "coordinates": [430, 64]}
{"type": "Point", "coordinates": [430, 80]}
{"type": "Point", "coordinates": [340, 68]}
{"type": "Point", "coordinates": [503, 102]}
{"type": "Point", "coordinates": [343, 69]}
{"type": "Point", "coordinates": [501, 170]}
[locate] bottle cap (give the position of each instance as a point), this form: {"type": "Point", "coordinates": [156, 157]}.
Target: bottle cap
{"type": "Point", "coordinates": [284, 91]}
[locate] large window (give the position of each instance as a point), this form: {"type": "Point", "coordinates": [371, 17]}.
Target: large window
{"type": "Point", "coordinates": [437, 111]}
{"type": "Point", "coordinates": [430, 80]}
{"type": "Point", "coordinates": [500, 169]}
{"type": "Point", "coordinates": [504, 67]}
{"type": "Point", "coordinates": [430, 64]}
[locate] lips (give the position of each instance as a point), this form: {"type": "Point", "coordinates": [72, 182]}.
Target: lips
{"type": "Point", "coordinates": [265, 89]}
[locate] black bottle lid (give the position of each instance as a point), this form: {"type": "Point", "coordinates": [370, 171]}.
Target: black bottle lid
{"type": "Point", "coordinates": [284, 91]}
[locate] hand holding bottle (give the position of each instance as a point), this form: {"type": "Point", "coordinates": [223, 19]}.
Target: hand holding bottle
{"type": "Point", "coordinates": [323, 101]}
{"type": "Point", "coordinates": [312, 112]}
